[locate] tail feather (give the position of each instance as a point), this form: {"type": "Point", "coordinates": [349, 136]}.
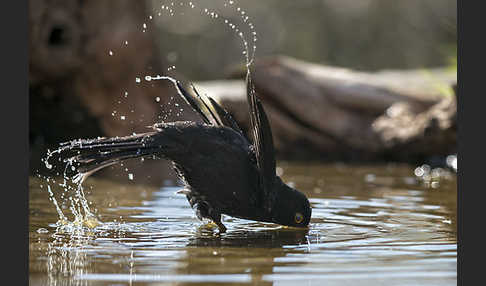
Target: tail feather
{"type": "Point", "coordinates": [93, 160]}
{"type": "Point", "coordinates": [90, 155]}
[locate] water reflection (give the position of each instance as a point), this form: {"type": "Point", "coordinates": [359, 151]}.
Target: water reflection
{"type": "Point", "coordinates": [272, 238]}
{"type": "Point", "coordinates": [388, 230]}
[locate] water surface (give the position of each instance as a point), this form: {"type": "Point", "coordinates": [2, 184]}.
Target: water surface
{"type": "Point", "coordinates": [371, 225]}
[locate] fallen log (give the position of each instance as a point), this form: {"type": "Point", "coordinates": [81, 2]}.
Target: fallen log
{"type": "Point", "coordinates": [335, 113]}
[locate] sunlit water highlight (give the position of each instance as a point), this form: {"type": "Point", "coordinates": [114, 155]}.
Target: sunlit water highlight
{"type": "Point", "coordinates": [370, 226]}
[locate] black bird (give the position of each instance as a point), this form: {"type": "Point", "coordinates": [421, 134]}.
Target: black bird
{"type": "Point", "coordinates": [224, 172]}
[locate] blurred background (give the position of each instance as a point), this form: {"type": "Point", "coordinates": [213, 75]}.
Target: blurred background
{"type": "Point", "coordinates": [342, 80]}
{"type": "Point", "coordinates": [364, 35]}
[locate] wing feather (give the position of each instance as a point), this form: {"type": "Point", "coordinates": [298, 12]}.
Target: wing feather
{"type": "Point", "coordinates": [262, 142]}
{"type": "Point", "coordinates": [210, 111]}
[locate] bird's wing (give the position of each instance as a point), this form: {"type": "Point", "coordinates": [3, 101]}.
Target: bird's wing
{"type": "Point", "coordinates": [209, 110]}
{"type": "Point", "coordinates": [262, 141]}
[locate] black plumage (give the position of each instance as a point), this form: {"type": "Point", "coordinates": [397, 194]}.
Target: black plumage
{"type": "Point", "coordinates": [223, 171]}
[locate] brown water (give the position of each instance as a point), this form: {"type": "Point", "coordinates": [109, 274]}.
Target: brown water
{"type": "Point", "coordinates": [377, 225]}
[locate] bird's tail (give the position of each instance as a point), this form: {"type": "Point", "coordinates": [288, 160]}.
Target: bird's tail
{"type": "Point", "coordinates": [87, 156]}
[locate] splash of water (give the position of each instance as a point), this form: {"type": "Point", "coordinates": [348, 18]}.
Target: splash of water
{"type": "Point", "coordinates": [52, 198]}
{"type": "Point", "coordinates": [73, 192]}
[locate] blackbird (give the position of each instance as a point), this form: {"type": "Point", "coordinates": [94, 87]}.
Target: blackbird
{"type": "Point", "coordinates": [223, 170]}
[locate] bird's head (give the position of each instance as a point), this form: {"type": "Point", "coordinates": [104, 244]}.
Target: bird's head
{"type": "Point", "coordinates": [291, 207]}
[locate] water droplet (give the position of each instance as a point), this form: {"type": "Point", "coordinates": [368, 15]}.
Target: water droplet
{"type": "Point", "coordinates": [110, 53]}
{"type": "Point", "coordinates": [122, 117]}
{"type": "Point", "coordinates": [137, 79]}
{"type": "Point", "coordinates": [419, 172]}
{"type": "Point", "coordinates": [130, 176]}
{"type": "Point", "coordinates": [42, 230]}
{"type": "Point", "coordinates": [157, 99]}
{"type": "Point", "coordinates": [452, 161]}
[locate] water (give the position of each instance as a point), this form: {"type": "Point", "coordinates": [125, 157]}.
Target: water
{"type": "Point", "coordinates": [371, 225]}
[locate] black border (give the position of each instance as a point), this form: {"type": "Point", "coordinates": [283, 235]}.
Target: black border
{"type": "Point", "coordinates": [471, 142]}
{"type": "Point", "coordinates": [14, 137]}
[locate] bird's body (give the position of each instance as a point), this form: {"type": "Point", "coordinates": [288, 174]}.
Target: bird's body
{"type": "Point", "coordinates": [207, 159]}
{"type": "Point", "coordinates": [222, 170]}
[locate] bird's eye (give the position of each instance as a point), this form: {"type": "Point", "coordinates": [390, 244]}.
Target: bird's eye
{"type": "Point", "coordinates": [299, 218]}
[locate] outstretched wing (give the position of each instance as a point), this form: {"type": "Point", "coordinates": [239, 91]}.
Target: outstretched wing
{"type": "Point", "coordinates": [262, 142]}
{"type": "Point", "coordinates": [209, 110]}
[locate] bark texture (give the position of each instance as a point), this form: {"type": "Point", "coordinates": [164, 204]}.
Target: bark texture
{"type": "Point", "coordinates": [334, 113]}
